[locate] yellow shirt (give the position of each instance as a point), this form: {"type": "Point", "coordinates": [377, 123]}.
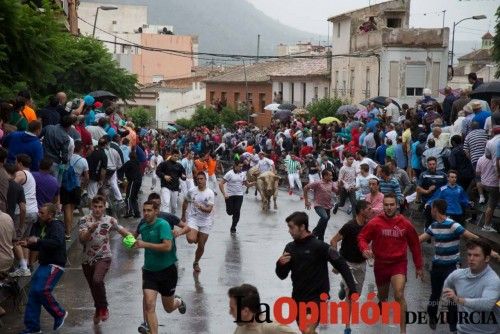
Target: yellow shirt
{"type": "Point", "coordinates": [407, 139]}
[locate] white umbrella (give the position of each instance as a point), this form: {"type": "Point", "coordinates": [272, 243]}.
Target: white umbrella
{"type": "Point", "coordinates": [272, 107]}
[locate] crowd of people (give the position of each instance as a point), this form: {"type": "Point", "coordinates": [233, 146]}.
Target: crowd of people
{"type": "Point", "coordinates": [439, 155]}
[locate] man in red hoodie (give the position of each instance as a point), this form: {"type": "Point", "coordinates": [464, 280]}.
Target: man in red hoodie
{"type": "Point", "coordinates": [391, 234]}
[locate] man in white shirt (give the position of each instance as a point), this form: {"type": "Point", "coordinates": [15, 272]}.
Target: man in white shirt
{"type": "Point", "coordinates": [199, 206]}
{"type": "Point", "coordinates": [347, 185]}
{"type": "Point", "coordinates": [391, 133]}
{"type": "Point", "coordinates": [391, 111]}
{"type": "Point", "coordinates": [265, 164]}
{"type": "Point", "coordinates": [361, 158]}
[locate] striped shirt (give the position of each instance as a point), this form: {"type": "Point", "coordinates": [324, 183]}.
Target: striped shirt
{"type": "Point", "coordinates": [391, 185]}
{"type": "Point", "coordinates": [292, 166]}
{"type": "Point", "coordinates": [447, 241]}
{"type": "Point", "coordinates": [475, 143]}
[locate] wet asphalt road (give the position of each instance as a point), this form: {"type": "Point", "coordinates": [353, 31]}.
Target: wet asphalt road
{"type": "Point", "coordinates": [247, 257]}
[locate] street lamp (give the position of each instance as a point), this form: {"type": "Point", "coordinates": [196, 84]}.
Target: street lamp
{"type": "Point", "coordinates": [97, 13]}
{"type": "Point", "coordinates": [475, 17]}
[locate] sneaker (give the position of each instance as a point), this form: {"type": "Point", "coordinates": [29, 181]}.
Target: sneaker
{"type": "Point", "coordinates": [20, 272]}
{"type": "Point", "coordinates": [301, 198]}
{"type": "Point", "coordinates": [152, 188]}
{"type": "Point", "coordinates": [488, 229]}
{"type": "Point", "coordinates": [182, 307]}
{"type": "Point", "coordinates": [342, 292]}
{"type": "Point", "coordinates": [290, 192]}
{"type": "Point", "coordinates": [67, 237]}
{"type": "Point", "coordinates": [432, 324]}
{"type": "Point", "coordinates": [349, 211]}
{"type": "Point", "coordinates": [143, 328]}
{"type": "Point", "coordinates": [347, 330]}
{"type": "Point", "coordinates": [335, 208]}
{"type": "Point", "coordinates": [233, 229]}
{"type": "Point", "coordinates": [482, 200]}
{"type": "Point", "coordinates": [104, 314]}
{"type": "Point", "coordinates": [59, 322]}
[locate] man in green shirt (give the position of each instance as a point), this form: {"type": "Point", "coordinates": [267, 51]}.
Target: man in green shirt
{"type": "Point", "coordinates": [159, 273]}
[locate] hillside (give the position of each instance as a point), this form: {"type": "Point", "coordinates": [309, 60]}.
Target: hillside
{"type": "Point", "coordinates": [223, 26]}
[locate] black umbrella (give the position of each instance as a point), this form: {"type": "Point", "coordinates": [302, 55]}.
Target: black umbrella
{"type": "Point", "coordinates": [101, 95]}
{"type": "Point", "coordinates": [287, 106]}
{"type": "Point", "coordinates": [365, 103]}
{"type": "Point", "coordinates": [380, 101]}
{"type": "Point", "coordinates": [486, 91]}
{"type": "Point", "coordinates": [283, 115]}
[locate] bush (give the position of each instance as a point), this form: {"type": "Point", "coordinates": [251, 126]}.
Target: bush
{"type": "Point", "coordinates": [229, 116]}
{"type": "Point", "coordinates": [324, 108]}
{"type": "Point", "coordinates": [205, 116]}
{"type": "Point", "coordinates": [184, 122]}
{"type": "Point", "coordinates": [140, 116]}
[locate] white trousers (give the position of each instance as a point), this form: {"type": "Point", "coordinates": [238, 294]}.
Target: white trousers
{"type": "Point", "coordinates": [185, 186]}
{"type": "Point", "coordinates": [294, 179]}
{"type": "Point", "coordinates": [212, 183]}
{"type": "Point", "coordinates": [113, 183]}
{"type": "Point", "coordinates": [314, 178]}
{"type": "Point", "coordinates": [168, 200]}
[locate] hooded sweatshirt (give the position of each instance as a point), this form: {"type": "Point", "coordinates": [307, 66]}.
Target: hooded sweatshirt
{"type": "Point", "coordinates": [390, 238]}
{"type": "Point", "coordinates": [23, 142]}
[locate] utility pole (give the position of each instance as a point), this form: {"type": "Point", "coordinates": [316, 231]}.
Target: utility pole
{"type": "Point", "coordinates": [73, 18]}
{"type": "Point", "coordinates": [444, 16]}
{"type": "Point", "coordinates": [258, 47]}
{"type": "Point", "coordinates": [246, 90]}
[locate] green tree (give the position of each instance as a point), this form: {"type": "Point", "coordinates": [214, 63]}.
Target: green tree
{"type": "Point", "coordinates": [205, 116]}
{"type": "Point", "coordinates": [229, 116]}
{"type": "Point", "coordinates": [324, 108]}
{"type": "Point", "coordinates": [140, 116]}
{"type": "Point", "coordinates": [184, 122]}
{"type": "Point", "coordinates": [496, 44]}
{"type": "Point", "coordinates": [38, 53]}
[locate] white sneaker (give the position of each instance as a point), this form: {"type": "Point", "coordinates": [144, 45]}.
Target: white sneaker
{"type": "Point", "coordinates": [482, 200]}
{"type": "Point", "coordinates": [488, 229]}
{"type": "Point", "coordinates": [20, 272]}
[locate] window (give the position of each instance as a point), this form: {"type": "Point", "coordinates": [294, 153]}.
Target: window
{"type": "Point", "coordinates": [326, 92]}
{"type": "Point", "coordinates": [338, 29]}
{"type": "Point", "coordinates": [316, 93]}
{"type": "Point", "coordinates": [393, 23]}
{"type": "Point", "coordinates": [249, 97]}
{"type": "Point", "coordinates": [367, 83]}
{"type": "Point", "coordinates": [303, 94]}
{"type": "Point", "coordinates": [292, 92]}
{"type": "Point", "coordinates": [352, 83]}
{"type": "Point", "coordinates": [236, 98]}
{"type": "Point", "coordinates": [415, 80]}
{"type": "Point", "coordinates": [212, 96]}
{"type": "Point", "coordinates": [223, 96]}
{"type": "Point", "coordinates": [344, 83]}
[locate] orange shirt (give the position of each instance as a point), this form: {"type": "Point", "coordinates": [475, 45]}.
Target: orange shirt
{"type": "Point", "coordinates": [28, 113]}
{"type": "Point", "coordinates": [212, 163]}
{"type": "Point", "coordinates": [200, 166]}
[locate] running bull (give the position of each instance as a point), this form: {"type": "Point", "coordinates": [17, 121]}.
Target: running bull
{"type": "Point", "coordinates": [267, 185]}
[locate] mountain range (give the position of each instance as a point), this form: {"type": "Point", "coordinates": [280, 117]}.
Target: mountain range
{"type": "Point", "coordinates": [223, 26]}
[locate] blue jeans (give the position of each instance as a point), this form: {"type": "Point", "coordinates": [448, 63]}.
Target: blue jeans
{"type": "Point", "coordinates": [324, 217]}
{"type": "Point", "coordinates": [43, 283]}
{"type": "Point", "coordinates": [438, 276]}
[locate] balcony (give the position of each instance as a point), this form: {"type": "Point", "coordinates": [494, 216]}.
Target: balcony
{"type": "Point", "coordinates": [400, 37]}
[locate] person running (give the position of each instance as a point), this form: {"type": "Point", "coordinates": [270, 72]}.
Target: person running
{"type": "Point", "coordinates": [347, 185]}
{"type": "Point", "coordinates": [391, 234]}
{"type": "Point", "coordinates": [155, 160]}
{"type": "Point", "coordinates": [476, 290]}
{"type": "Point", "coordinates": [307, 259]}
{"type": "Point", "coordinates": [313, 168]}
{"type": "Point", "coordinates": [446, 233]}
{"type": "Point", "coordinates": [48, 240]}
{"type": "Point", "coordinates": [293, 169]}
{"type": "Point", "coordinates": [234, 181]}
{"type": "Point", "coordinates": [159, 273]}
{"type": "Point", "coordinates": [94, 234]}
{"type": "Point", "coordinates": [133, 173]}
{"type": "Point", "coordinates": [429, 182]}
{"type": "Point", "coordinates": [198, 212]}
{"type": "Point", "coordinates": [170, 173]}
{"type": "Point", "coordinates": [173, 221]}
{"type": "Point", "coordinates": [348, 234]}
{"type": "Point", "coordinates": [323, 194]}
{"type": "Point", "coordinates": [188, 163]}
{"type": "Point", "coordinates": [375, 198]}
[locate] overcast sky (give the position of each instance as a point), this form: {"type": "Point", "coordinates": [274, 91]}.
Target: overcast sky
{"type": "Point", "coordinates": [311, 15]}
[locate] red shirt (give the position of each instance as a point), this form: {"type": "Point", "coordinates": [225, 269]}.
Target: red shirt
{"type": "Point", "coordinates": [305, 150]}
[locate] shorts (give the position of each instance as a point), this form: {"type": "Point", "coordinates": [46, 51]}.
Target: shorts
{"type": "Point", "coordinates": [358, 271]}
{"type": "Point", "coordinates": [493, 196]}
{"type": "Point", "coordinates": [384, 271]}
{"type": "Point", "coordinates": [163, 281]}
{"type": "Point", "coordinates": [23, 232]}
{"type": "Point", "coordinates": [203, 229]}
{"type": "Point", "coordinates": [71, 197]}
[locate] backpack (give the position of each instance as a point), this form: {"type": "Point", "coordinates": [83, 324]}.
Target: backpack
{"type": "Point", "coordinates": [69, 177]}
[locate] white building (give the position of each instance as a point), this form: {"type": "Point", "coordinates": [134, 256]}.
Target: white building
{"type": "Point", "coordinates": [301, 81]}
{"type": "Point", "coordinates": [388, 60]}
{"type": "Point", "coordinates": [303, 49]}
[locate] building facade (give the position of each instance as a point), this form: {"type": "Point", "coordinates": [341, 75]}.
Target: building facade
{"type": "Point", "coordinates": [124, 29]}
{"type": "Point", "coordinates": [375, 53]}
